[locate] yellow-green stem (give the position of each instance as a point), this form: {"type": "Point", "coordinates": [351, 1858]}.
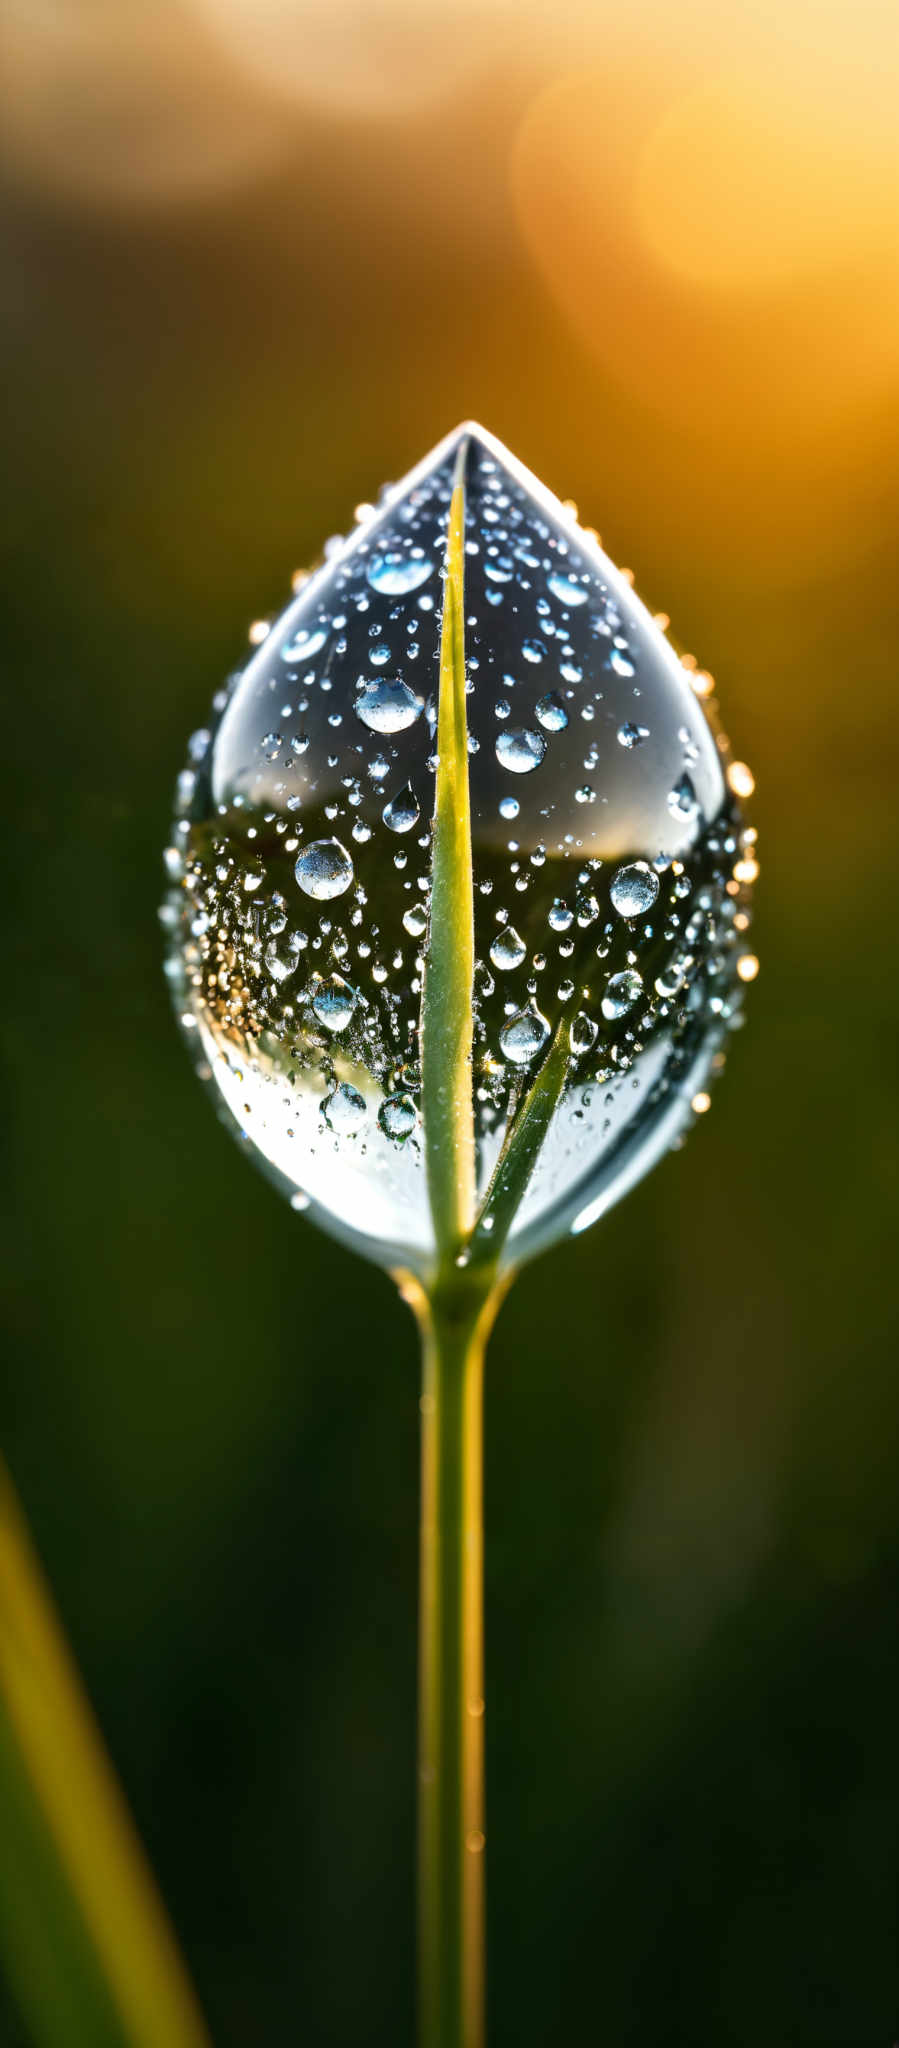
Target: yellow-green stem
{"type": "Point", "coordinates": [455, 1318]}
{"type": "Point", "coordinates": [49, 1720]}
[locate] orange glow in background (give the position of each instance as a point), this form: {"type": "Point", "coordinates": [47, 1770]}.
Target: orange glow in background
{"type": "Point", "coordinates": [258, 256]}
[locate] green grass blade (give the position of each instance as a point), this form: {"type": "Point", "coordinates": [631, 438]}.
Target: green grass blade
{"type": "Point", "coordinates": [86, 1883]}
{"type": "Point", "coordinates": [446, 1005]}
{"type": "Point", "coordinates": [47, 1957]}
{"type": "Point", "coordinates": [518, 1158]}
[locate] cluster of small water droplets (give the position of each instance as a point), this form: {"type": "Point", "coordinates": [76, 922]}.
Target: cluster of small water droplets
{"type": "Point", "coordinates": [611, 869]}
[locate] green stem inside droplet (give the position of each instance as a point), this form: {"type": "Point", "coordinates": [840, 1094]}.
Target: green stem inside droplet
{"type": "Point", "coordinates": [447, 990]}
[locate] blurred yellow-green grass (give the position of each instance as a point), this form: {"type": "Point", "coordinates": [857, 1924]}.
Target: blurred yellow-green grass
{"type": "Point", "coordinates": [667, 245]}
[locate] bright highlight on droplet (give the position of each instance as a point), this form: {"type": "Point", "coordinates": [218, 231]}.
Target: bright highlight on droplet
{"type": "Point", "coordinates": [740, 779]}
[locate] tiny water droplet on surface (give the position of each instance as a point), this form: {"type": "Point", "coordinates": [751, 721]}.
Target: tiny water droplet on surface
{"type": "Point", "coordinates": [565, 589]}
{"type": "Point", "coordinates": [509, 807]}
{"type": "Point", "coordinates": [583, 1034]}
{"type": "Point", "coordinates": [333, 1003]}
{"type": "Point", "coordinates": [508, 948]}
{"type": "Point", "coordinates": [415, 920]}
{"type": "Point", "coordinates": [682, 802]}
{"type": "Point", "coordinates": [520, 749]}
{"type": "Point", "coordinates": [631, 735]}
{"type": "Point", "coordinates": [307, 642]}
{"type": "Point", "coordinates": [551, 712]}
{"type": "Point", "coordinates": [282, 961]}
{"type": "Point", "coordinates": [344, 1110]}
{"type": "Point", "coordinates": [634, 889]}
{"type": "Point", "coordinates": [387, 706]}
{"type": "Point", "coordinates": [524, 1036]}
{"type": "Point", "coordinates": [403, 811]}
{"type": "Point", "coordinates": [324, 869]}
{"type": "Point", "coordinates": [395, 574]}
{"type": "Point", "coordinates": [398, 1117]}
{"type": "Point", "coordinates": [622, 992]}
{"type": "Point", "coordinates": [560, 916]}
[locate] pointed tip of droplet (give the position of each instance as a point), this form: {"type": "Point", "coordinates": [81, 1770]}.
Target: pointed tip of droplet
{"type": "Point", "coordinates": [469, 435]}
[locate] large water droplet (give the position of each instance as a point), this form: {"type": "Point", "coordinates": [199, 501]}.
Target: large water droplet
{"type": "Point", "coordinates": [324, 869]}
{"type": "Point", "coordinates": [281, 823]}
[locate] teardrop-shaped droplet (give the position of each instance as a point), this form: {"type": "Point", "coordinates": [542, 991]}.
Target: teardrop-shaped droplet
{"type": "Point", "coordinates": [403, 811]}
{"type": "Point", "coordinates": [333, 1002]}
{"type": "Point", "coordinates": [682, 799]}
{"type": "Point", "coordinates": [609, 864]}
{"type": "Point", "coordinates": [583, 1034]}
{"type": "Point", "coordinates": [508, 948]}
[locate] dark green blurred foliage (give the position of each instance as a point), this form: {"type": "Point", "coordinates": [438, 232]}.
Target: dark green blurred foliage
{"type": "Point", "coordinates": [211, 1413]}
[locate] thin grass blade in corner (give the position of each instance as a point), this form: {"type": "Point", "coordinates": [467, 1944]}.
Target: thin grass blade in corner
{"type": "Point", "coordinates": [85, 1873]}
{"type": "Point", "coordinates": [446, 1006]}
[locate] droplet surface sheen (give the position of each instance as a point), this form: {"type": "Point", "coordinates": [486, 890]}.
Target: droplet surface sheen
{"type": "Point", "coordinates": [611, 865]}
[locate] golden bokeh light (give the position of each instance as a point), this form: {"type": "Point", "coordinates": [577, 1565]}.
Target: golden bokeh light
{"type": "Point", "coordinates": [740, 779]}
{"type": "Point", "coordinates": [129, 106]}
{"type": "Point", "coordinates": [750, 183]}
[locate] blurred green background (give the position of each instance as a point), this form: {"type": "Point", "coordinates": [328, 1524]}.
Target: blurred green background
{"type": "Point", "coordinates": [255, 262]}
